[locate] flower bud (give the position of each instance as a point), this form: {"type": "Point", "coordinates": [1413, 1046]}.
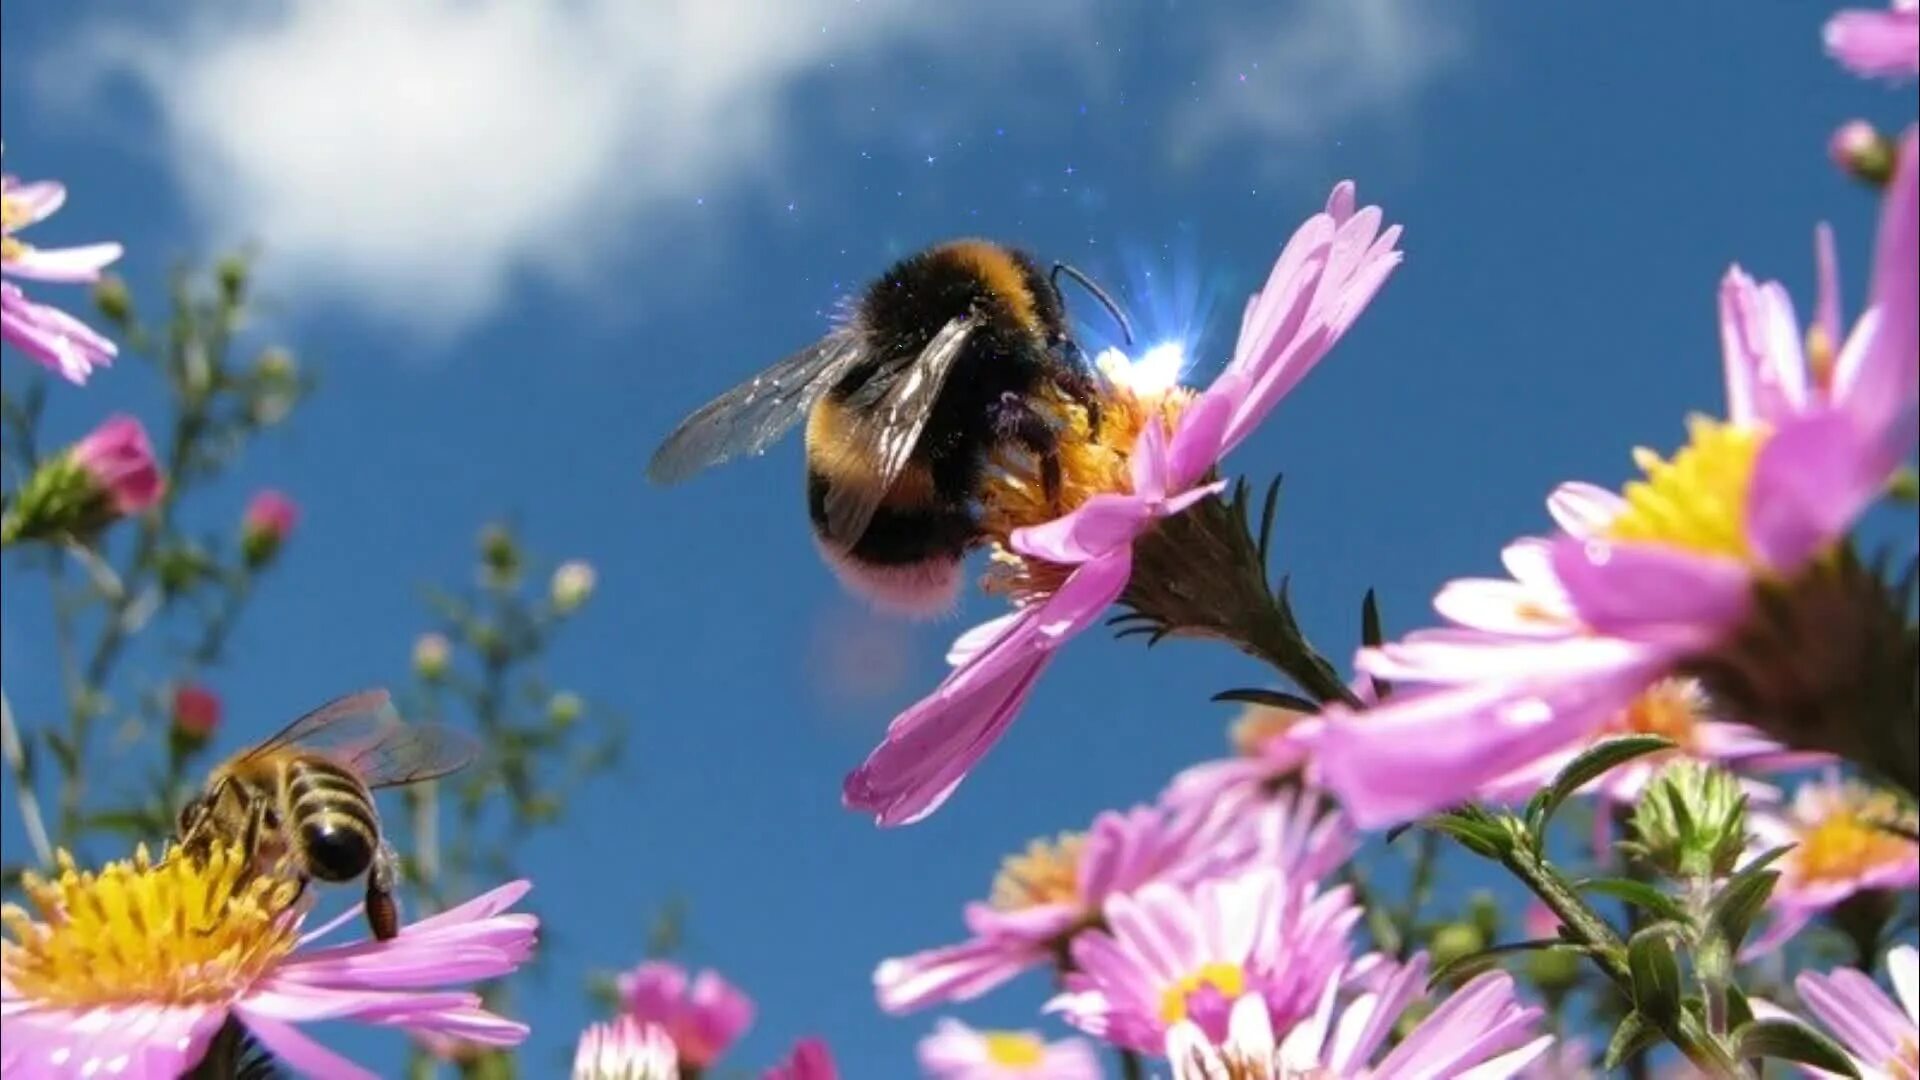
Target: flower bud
{"type": "Point", "coordinates": [110, 295]}
{"type": "Point", "coordinates": [572, 584]}
{"type": "Point", "coordinates": [180, 567]}
{"type": "Point", "coordinates": [1554, 971]}
{"type": "Point", "coordinates": [108, 475]}
{"type": "Point", "coordinates": [564, 709]}
{"type": "Point", "coordinates": [431, 654]}
{"type": "Point", "coordinates": [1691, 821]}
{"type": "Point", "coordinates": [231, 273]}
{"type": "Point", "coordinates": [196, 714]}
{"type": "Point", "coordinates": [499, 554]}
{"type": "Point", "coordinates": [268, 521]}
{"type": "Point", "coordinates": [1863, 153]}
{"type": "Point", "coordinates": [1455, 941]}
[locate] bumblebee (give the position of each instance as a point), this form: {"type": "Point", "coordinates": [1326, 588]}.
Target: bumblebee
{"type": "Point", "coordinates": [301, 803]}
{"type": "Point", "coordinates": [934, 367]}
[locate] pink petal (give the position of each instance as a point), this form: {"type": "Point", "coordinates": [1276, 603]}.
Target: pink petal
{"type": "Point", "coordinates": [71, 265]}
{"type": "Point", "coordinates": [1198, 444]}
{"type": "Point", "coordinates": [1340, 201]}
{"type": "Point", "coordinates": [972, 642]}
{"type": "Point", "coordinates": [1812, 479]}
{"type": "Point", "coordinates": [36, 201]}
{"type": "Point", "coordinates": [1760, 342]}
{"type": "Point", "coordinates": [1584, 510]}
{"type": "Point", "coordinates": [1885, 392]}
{"type": "Point", "coordinates": [1652, 593]}
{"type": "Point", "coordinates": [305, 1055]}
{"type": "Point", "coordinates": [1101, 525]}
{"type": "Point", "coordinates": [1875, 43]}
{"type": "Point", "coordinates": [1826, 308]}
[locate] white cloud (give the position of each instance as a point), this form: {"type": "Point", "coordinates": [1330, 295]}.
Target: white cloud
{"type": "Point", "coordinates": [421, 158]}
{"type": "Point", "coordinates": [417, 156]}
{"type": "Point", "coordinates": [1304, 70]}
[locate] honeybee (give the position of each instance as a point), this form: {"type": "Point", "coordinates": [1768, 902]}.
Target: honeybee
{"type": "Point", "coordinates": [933, 367]}
{"type": "Point", "coordinates": [302, 801]}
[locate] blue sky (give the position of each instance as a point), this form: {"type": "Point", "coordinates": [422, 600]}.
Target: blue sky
{"type": "Point", "coordinates": [519, 242]}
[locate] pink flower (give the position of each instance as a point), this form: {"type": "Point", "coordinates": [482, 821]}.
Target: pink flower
{"type": "Point", "coordinates": [117, 459]}
{"type": "Point", "coordinates": [1170, 954]}
{"type": "Point", "coordinates": [196, 712]}
{"type": "Point", "coordinates": [957, 1052]}
{"type": "Point", "coordinates": [1323, 279]}
{"type": "Point", "coordinates": [1638, 587]}
{"type": "Point", "coordinates": [131, 971]}
{"type": "Point", "coordinates": [1481, 1030]}
{"type": "Point", "coordinates": [625, 1049]}
{"type": "Point", "coordinates": [1882, 1035]}
{"type": "Point", "coordinates": [1870, 43]}
{"type": "Point", "coordinates": [810, 1060]}
{"type": "Point", "coordinates": [268, 521]}
{"type": "Point", "coordinates": [704, 1017]}
{"type": "Point", "coordinates": [47, 334]}
{"type": "Point", "coordinates": [1838, 850]}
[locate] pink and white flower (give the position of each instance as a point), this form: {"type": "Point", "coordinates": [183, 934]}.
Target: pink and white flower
{"type": "Point", "coordinates": [131, 971]}
{"type": "Point", "coordinates": [49, 335]}
{"type": "Point", "coordinates": [1042, 899]}
{"type": "Point", "coordinates": [1839, 850]}
{"type": "Point", "coordinates": [625, 1048]}
{"type": "Point", "coordinates": [1323, 279]}
{"type": "Point", "coordinates": [957, 1052]}
{"type": "Point", "coordinates": [1480, 1031]}
{"type": "Point", "coordinates": [810, 1060]}
{"type": "Point", "coordinates": [117, 459]}
{"type": "Point", "coordinates": [1170, 954]}
{"type": "Point", "coordinates": [1637, 587]}
{"type": "Point", "coordinates": [704, 1015]}
{"type": "Point", "coordinates": [1881, 1034]}
{"type": "Point", "coordinates": [1872, 43]}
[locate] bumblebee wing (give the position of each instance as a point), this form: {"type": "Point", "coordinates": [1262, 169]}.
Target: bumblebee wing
{"type": "Point", "coordinates": [748, 418]}
{"type": "Point", "coordinates": [340, 720]}
{"type": "Point", "coordinates": [410, 753]}
{"type": "Point", "coordinates": [886, 430]}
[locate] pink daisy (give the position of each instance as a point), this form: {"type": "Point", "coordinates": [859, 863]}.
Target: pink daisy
{"type": "Point", "coordinates": [1071, 568]}
{"type": "Point", "coordinates": [1169, 954]}
{"type": "Point", "coordinates": [1041, 900]}
{"type": "Point", "coordinates": [1688, 573]}
{"type": "Point", "coordinates": [1881, 1034]}
{"type": "Point", "coordinates": [957, 1052]}
{"type": "Point", "coordinates": [1871, 43]}
{"type": "Point", "coordinates": [626, 1049]}
{"type": "Point", "coordinates": [47, 334]}
{"type": "Point", "coordinates": [131, 971]}
{"type": "Point", "coordinates": [1480, 1032]}
{"type": "Point", "coordinates": [810, 1060]}
{"type": "Point", "coordinates": [704, 1015]}
{"type": "Point", "coordinates": [1838, 850]}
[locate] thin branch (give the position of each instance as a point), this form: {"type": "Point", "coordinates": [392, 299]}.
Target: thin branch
{"type": "Point", "coordinates": [16, 756]}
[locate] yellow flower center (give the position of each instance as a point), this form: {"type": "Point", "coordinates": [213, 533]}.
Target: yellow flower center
{"type": "Point", "coordinates": [1698, 500]}
{"type": "Point", "coordinates": [1669, 708]}
{"type": "Point", "coordinates": [1228, 980]}
{"type": "Point", "coordinates": [11, 249]}
{"type": "Point", "coordinates": [1258, 725]}
{"type": "Point", "coordinates": [1849, 842]}
{"type": "Point", "coordinates": [1014, 495]}
{"type": "Point", "coordinates": [183, 931]}
{"type": "Point", "coordinates": [1047, 873]}
{"type": "Point", "coordinates": [1014, 1049]}
{"type": "Point", "coordinates": [12, 213]}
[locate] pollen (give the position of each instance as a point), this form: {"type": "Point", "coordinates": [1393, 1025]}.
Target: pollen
{"type": "Point", "coordinates": [1048, 872]}
{"type": "Point", "coordinates": [1848, 843]}
{"type": "Point", "coordinates": [1697, 501]}
{"type": "Point", "coordinates": [1226, 980]}
{"type": "Point", "coordinates": [1670, 708]}
{"type": "Point", "coordinates": [1015, 1049]}
{"type": "Point", "coordinates": [181, 931]}
{"type": "Point", "coordinates": [1259, 725]}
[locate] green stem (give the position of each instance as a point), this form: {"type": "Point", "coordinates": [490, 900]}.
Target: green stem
{"type": "Point", "coordinates": [1638, 1066]}
{"type": "Point", "coordinates": [1132, 1066]}
{"type": "Point", "coordinates": [16, 757]}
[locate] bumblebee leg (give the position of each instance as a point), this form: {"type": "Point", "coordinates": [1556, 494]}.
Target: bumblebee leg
{"type": "Point", "coordinates": [1019, 422]}
{"type": "Point", "coordinates": [1082, 382]}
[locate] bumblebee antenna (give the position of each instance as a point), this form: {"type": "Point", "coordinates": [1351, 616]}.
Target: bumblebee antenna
{"type": "Point", "coordinates": [1100, 294]}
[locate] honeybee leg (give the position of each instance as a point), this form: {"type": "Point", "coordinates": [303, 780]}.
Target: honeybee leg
{"type": "Point", "coordinates": [383, 914]}
{"type": "Point", "coordinates": [1018, 422]}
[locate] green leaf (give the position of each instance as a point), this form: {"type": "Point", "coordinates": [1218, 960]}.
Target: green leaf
{"type": "Point", "coordinates": [1273, 699]}
{"type": "Point", "coordinates": [1744, 896]}
{"type": "Point", "coordinates": [1656, 974]}
{"type": "Point", "coordinates": [1638, 893]}
{"type": "Point", "coordinates": [1633, 1036]}
{"type": "Point", "coordinates": [1790, 1040]}
{"type": "Point", "coordinates": [1582, 770]}
{"type": "Point", "coordinates": [1475, 959]}
{"type": "Point", "coordinates": [1370, 632]}
{"type": "Point", "coordinates": [1476, 830]}
{"type": "Point", "coordinates": [1739, 1010]}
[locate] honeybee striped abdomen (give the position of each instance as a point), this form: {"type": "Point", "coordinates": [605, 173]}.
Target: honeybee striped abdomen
{"type": "Point", "coordinates": [333, 818]}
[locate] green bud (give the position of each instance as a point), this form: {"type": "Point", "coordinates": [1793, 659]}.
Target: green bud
{"type": "Point", "coordinates": [1485, 913]}
{"type": "Point", "coordinates": [431, 655]}
{"type": "Point", "coordinates": [1690, 822]}
{"type": "Point", "coordinates": [499, 554]}
{"type": "Point", "coordinates": [231, 272]}
{"type": "Point", "coordinates": [1554, 971]}
{"type": "Point", "coordinates": [110, 295]}
{"type": "Point", "coordinates": [565, 708]}
{"type": "Point", "coordinates": [572, 584]}
{"type": "Point", "coordinates": [1454, 942]}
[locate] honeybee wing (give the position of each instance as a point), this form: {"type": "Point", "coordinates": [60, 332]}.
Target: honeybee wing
{"type": "Point", "coordinates": [409, 753]}
{"type": "Point", "coordinates": [340, 720]}
{"type": "Point", "coordinates": [885, 430]}
{"type": "Point", "coordinates": [748, 418]}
